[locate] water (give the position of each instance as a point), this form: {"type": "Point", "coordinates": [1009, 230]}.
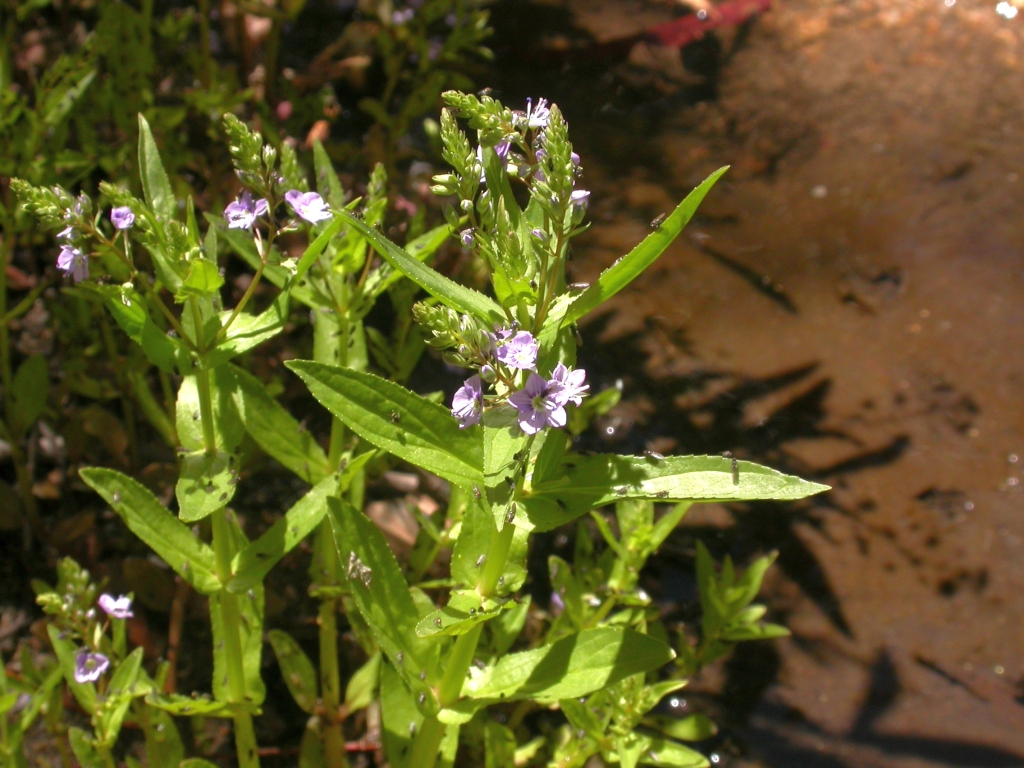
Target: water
{"type": "Point", "coordinates": [847, 306]}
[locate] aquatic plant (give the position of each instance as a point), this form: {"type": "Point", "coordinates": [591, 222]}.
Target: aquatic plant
{"type": "Point", "coordinates": [443, 655]}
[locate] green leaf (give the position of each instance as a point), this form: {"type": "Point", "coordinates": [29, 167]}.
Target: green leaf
{"type": "Point", "coordinates": [499, 746]}
{"type": "Point", "coordinates": [632, 265]}
{"type": "Point", "coordinates": [571, 667]}
{"type": "Point", "coordinates": [401, 719]}
{"type": "Point", "coordinates": [568, 588]}
{"type": "Point", "coordinates": [163, 742]}
{"type": "Point", "coordinates": [155, 184]}
{"type": "Point", "coordinates": [327, 181]}
{"type": "Point", "coordinates": [276, 431]}
{"type": "Point", "coordinates": [28, 391]}
{"type": "Point", "coordinates": [196, 762]}
{"type": "Point", "coordinates": [669, 754]}
{"type": "Point", "coordinates": [254, 562]}
{"type": "Point", "coordinates": [456, 296]}
{"type": "Point", "coordinates": [195, 706]}
{"type": "Point", "coordinates": [296, 668]}
{"type": "Point", "coordinates": [84, 693]}
{"type": "Point", "coordinates": [120, 692]}
{"type": "Point", "coordinates": [203, 279]}
{"type": "Point", "coordinates": [473, 544]}
{"type": "Point", "coordinates": [150, 521]}
{"type": "Point", "coordinates": [248, 331]}
{"type": "Point", "coordinates": [228, 428]}
{"type": "Point", "coordinates": [311, 747]}
{"type": "Point", "coordinates": [422, 248]}
{"type": "Point", "coordinates": [84, 749]}
{"type": "Point", "coordinates": [362, 686]}
{"type": "Point", "coordinates": [465, 609]}
{"type": "Point", "coordinates": [382, 596]}
{"type": "Point", "coordinates": [397, 420]}
{"type": "Point", "coordinates": [506, 628]}
{"type": "Point", "coordinates": [206, 484]}
{"type": "Point", "coordinates": [503, 444]}
{"type": "Point", "coordinates": [128, 309]}
{"type": "Point", "coordinates": [587, 482]}
{"type": "Point", "coordinates": [315, 248]}
{"type": "Point", "coordinates": [695, 727]}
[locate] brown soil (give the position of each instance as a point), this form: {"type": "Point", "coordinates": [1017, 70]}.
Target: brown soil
{"type": "Point", "coordinates": [848, 305]}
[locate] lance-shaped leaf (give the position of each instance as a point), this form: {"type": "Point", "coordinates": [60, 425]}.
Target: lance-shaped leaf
{"type": "Point", "coordinates": [129, 312]}
{"type": "Point", "coordinates": [296, 669]}
{"type": "Point", "coordinates": [256, 559]}
{"type": "Point", "coordinates": [401, 719]}
{"type": "Point", "coordinates": [422, 248]}
{"type": "Point", "coordinates": [359, 693]}
{"type": "Point", "coordinates": [586, 482]}
{"type": "Point", "coordinates": [196, 706]}
{"type": "Point", "coordinates": [276, 431]}
{"type": "Point", "coordinates": [150, 521]}
{"type": "Point", "coordinates": [668, 754]}
{"type": "Point", "coordinates": [228, 429]}
{"type": "Point", "coordinates": [504, 446]}
{"type": "Point", "coordinates": [84, 749]}
{"type": "Point", "coordinates": [248, 331]}
{"type": "Point", "coordinates": [633, 264]}
{"type": "Point", "coordinates": [465, 609]}
{"type": "Point", "coordinates": [397, 420]}
{"type": "Point", "coordinates": [571, 667]}
{"type": "Point", "coordinates": [382, 596]}
{"type": "Point", "coordinates": [456, 296]}
{"type": "Point", "coordinates": [119, 697]}
{"type": "Point", "coordinates": [155, 184]}
{"type": "Point", "coordinates": [315, 248]}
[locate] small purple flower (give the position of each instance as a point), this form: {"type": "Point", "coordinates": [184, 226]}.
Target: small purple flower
{"type": "Point", "coordinates": [122, 217]}
{"type": "Point", "coordinates": [118, 608]}
{"type": "Point", "coordinates": [398, 18]}
{"type": "Point", "coordinates": [89, 666]}
{"type": "Point", "coordinates": [467, 237]}
{"type": "Point", "coordinates": [308, 205]}
{"type": "Point", "coordinates": [519, 352]}
{"type": "Point", "coordinates": [570, 383]}
{"type": "Point", "coordinates": [468, 403]}
{"type": "Point", "coordinates": [73, 263]}
{"type": "Point", "coordinates": [539, 405]}
{"type": "Point", "coordinates": [68, 233]}
{"type": "Point", "coordinates": [539, 234]}
{"type": "Point", "coordinates": [242, 213]}
{"type": "Point", "coordinates": [557, 604]}
{"type": "Point", "coordinates": [575, 158]}
{"type": "Point", "coordinates": [537, 117]}
{"type": "Point", "coordinates": [579, 199]}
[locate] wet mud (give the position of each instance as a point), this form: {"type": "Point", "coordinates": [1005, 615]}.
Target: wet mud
{"type": "Point", "coordinates": [847, 305]}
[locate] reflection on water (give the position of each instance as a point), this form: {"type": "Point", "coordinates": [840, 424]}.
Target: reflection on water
{"type": "Point", "coordinates": [848, 306]}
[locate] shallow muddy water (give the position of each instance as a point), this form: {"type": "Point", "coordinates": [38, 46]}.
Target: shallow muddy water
{"type": "Point", "coordinates": [848, 305]}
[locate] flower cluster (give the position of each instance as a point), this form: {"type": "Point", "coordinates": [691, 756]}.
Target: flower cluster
{"type": "Point", "coordinates": [72, 260]}
{"type": "Point", "coordinates": [540, 402]}
{"type": "Point", "coordinates": [91, 664]}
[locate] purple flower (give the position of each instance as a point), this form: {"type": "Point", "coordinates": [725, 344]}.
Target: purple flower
{"type": "Point", "coordinates": [468, 403]}
{"type": "Point", "coordinates": [539, 405]}
{"type": "Point", "coordinates": [519, 352]}
{"type": "Point", "coordinates": [242, 213]}
{"type": "Point", "coordinates": [537, 117]}
{"type": "Point", "coordinates": [467, 237]}
{"type": "Point", "coordinates": [89, 666]}
{"type": "Point", "coordinates": [539, 234]}
{"type": "Point", "coordinates": [308, 205]}
{"type": "Point", "coordinates": [575, 158]}
{"type": "Point", "coordinates": [501, 149]}
{"type": "Point", "coordinates": [73, 263]}
{"type": "Point", "coordinates": [68, 233]}
{"type": "Point", "coordinates": [580, 198]}
{"type": "Point", "coordinates": [118, 608]}
{"type": "Point", "coordinates": [122, 217]}
{"type": "Point", "coordinates": [571, 388]}
{"type": "Point", "coordinates": [401, 17]}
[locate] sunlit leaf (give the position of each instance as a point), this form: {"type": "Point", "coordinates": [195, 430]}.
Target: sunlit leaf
{"type": "Point", "coordinates": [155, 183]}
{"type": "Point", "coordinates": [296, 669]}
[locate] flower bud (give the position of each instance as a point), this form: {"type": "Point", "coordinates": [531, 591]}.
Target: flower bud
{"type": "Point", "coordinates": [467, 237]}
{"type": "Point", "coordinates": [488, 374]}
{"type": "Point", "coordinates": [451, 216]}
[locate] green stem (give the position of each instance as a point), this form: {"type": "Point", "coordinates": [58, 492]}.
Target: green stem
{"type": "Point", "coordinates": [427, 743]}
{"type": "Point", "coordinates": [459, 660]}
{"type": "Point", "coordinates": [497, 556]}
{"type": "Point", "coordinates": [245, 735]}
{"type": "Point", "coordinates": [330, 678]}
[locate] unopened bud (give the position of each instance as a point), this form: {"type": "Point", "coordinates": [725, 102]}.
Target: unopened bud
{"type": "Point", "coordinates": [488, 374]}
{"type": "Point", "coordinates": [467, 237]}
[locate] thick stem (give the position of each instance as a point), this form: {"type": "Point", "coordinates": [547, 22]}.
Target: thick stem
{"type": "Point", "coordinates": [459, 660]}
{"type": "Point", "coordinates": [427, 743]}
{"type": "Point", "coordinates": [245, 736]}
{"type": "Point", "coordinates": [497, 556]}
{"type": "Point", "coordinates": [330, 678]}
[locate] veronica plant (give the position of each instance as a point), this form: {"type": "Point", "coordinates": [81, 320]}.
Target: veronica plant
{"type": "Point", "coordinates": [447, 661]}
